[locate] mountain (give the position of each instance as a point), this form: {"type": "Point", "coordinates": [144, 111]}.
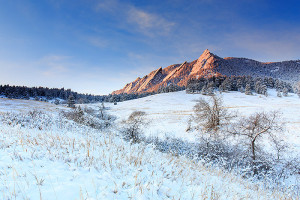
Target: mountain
{"type": "Point", "coordinates": [209, 64]}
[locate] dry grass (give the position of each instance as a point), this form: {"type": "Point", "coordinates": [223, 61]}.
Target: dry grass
{"type": "Point", "coordinates": [135, 171]}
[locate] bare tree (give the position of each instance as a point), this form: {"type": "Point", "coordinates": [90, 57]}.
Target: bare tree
{"type": "Point", "coordinates": [211, 115]}
{"type": "Point", "coordinates": [133, 126]}
{"type": "Point", "coordinates": [279, 145]}
{"type": "Point", "coordinates": [102, 110]}
{"type": "Point", "coordinates": [257, 126]}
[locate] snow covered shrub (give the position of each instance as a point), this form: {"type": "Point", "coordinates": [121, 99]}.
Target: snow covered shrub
{"type": "Point", "coordinates": [34, 119]}
{"type": "Point", "coordinates": [56, 102]}
{"type": "Point", "coordinates": [77, 115]}
{"type": "Point", "coordinates": [241, 146]}
{"type": "Point", "coordinates": [231, 154]}
{"type": "Point", "coordinates": [132, 129]}
{"type": "Point", "coordinates": [255, 128]}
{"type": "Point", "coordinates": [279, 94]}
{"type": "Point", "coordinates": [31, 119]}
{"type": "Point", "coordinates": [90, 118]}
{"type": "Point", "coordinates": [89, 110]}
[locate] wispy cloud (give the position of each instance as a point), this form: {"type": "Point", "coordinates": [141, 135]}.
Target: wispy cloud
{"type": "Point", "coordinates": [54, 58]}
{"type": "Point", "coordinates": [133, 18]}
{"type": "Point", "coordinates": [147, 22]}
{"type": "Point", "coordinates": [96, 41]}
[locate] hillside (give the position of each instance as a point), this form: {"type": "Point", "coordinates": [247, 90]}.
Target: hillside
{"type": "Point", "coordinates": [209, 64]}
{"type": "Point", "coordinates": [46, 156]}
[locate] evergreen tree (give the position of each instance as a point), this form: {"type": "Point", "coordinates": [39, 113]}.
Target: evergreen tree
{"type": "Point", "coordinates": [248, 89]}
{"type": "Point", "coordinates": [263, 90]}
{"type": "Point", "coordinates": [204, 90]}
{"type": "Point", "coordinates": [242, 89]}
{"type": "Point", "coordinates": [220, 89]}
{"type": "Point", "coordinates": [297, 88]}
{"type": "Point", "coordinates": [276, 84]}
{"type": "Point", "coordinates": [270, 82]}
{"type": "Point", "coordinates": [257, 87]}
{"type": "Point", "coordinates": [71, 101]}
{"type": "Point", "coordinates": [285, 92]}
{"type": "Point", "coordinates": [210, 88]}
{"type": "Point", "coordinates": [227, 84]}
{"type": "Point", "coordinates": [239, 84]}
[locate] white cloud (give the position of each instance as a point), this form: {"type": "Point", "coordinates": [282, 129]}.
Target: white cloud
{"type": "Point", "coordinates": [148, 23]}
{"type": "Point", "coordinates": [133, 18]}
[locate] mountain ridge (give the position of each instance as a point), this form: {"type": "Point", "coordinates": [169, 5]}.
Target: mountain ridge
{"type": "Point", "coordinates": [209, 64]}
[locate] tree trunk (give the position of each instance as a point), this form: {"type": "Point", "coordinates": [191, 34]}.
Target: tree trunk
{"type": "Point", "coordinates": [253, 157]}
{"type": "Point", "coordinates": [253, 150]}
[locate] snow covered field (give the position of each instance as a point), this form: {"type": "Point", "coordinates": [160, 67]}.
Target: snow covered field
{"type": "Point", "coordinates": [49, 157]}
{"type": "Point", "coordinates": [169, 112]}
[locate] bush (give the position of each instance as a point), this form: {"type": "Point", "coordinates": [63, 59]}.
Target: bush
{"type": "Point", "coordinates": [238, 146]}
{"type": "Point", "coordinates": [34, 119]}
{"type": "Point", "coordinates": [77, 115]}
{"type": "Point", "coordinates": [132, 129]}
{"type": "Point", "coordinates": [89, 118]}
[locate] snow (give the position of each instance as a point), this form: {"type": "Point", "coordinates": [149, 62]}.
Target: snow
{"type": "Point", "coordinates": [18, 105]}
{"type": "Point", "coordinates": [169, 112]}
{"type": "Point", "coordinates": [64, 160]}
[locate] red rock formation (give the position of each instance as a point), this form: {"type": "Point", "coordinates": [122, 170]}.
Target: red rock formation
{"type": "Point", "coordinates": [208, 65]}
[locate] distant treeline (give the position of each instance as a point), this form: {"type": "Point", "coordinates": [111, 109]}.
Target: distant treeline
{"type": "Point", "coordinates": [44, 94]}
{"type": "Point", "coordinates": [245, 84]}
{"type": "Point", "coordinates": [208, 85]}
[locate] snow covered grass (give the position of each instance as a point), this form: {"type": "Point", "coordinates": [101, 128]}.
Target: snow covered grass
{"type": "Point", "coordinates": [61, 159]}
{"type": "Point", "coordinates": [169, 114]}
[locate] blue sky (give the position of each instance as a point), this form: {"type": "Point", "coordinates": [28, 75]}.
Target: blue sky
{"type": "Point", "coordinates": [97, 46]}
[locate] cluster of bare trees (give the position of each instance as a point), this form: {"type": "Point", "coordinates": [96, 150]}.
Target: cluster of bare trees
{"type": "Point", "coordinates": [220, 130]}
{"type": "Point", "coordinates": [228, 140]}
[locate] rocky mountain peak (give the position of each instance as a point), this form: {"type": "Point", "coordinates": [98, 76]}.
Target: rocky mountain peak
{"type": "Point", "coordinates": [205, 62]}
{"type": "Point", "coordinates": [207, 65]}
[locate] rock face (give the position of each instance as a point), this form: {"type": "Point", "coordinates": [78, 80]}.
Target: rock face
{"type": "Point", "coordinates": [209, 64]}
